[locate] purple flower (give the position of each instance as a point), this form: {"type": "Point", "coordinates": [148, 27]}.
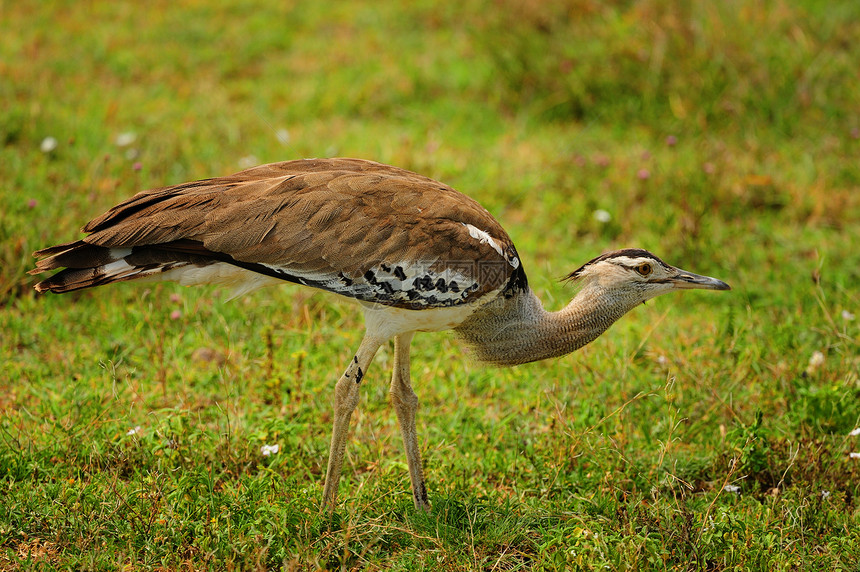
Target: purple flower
{"type": "Point", "coordinates": [643, 174]}
{"type": "Point", "coordinates": [671, 140]}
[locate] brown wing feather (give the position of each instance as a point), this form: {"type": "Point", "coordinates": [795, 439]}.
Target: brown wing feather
{"type": "Point", "coordinates": [329, 215]}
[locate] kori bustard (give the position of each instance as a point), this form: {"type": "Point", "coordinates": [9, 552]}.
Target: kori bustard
{"type": "Point", "coordinates": [418, 255]}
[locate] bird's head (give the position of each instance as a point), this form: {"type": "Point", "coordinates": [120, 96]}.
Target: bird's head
{"type": "Point", "coordinates": [637, 275]}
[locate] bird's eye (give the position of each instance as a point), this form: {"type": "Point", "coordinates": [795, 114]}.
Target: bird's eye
{"type": "Point", "coordinates": [644, 269]}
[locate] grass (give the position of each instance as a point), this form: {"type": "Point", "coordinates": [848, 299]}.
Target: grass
{"type": "Point", "coordinates": [699, 433]}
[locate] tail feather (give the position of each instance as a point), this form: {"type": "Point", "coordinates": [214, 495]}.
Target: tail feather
{"type": "Point", "coordinates": [52, 250]}
{"type": "Point", "coordinates": [87, 265]}
{"type": "Point", "coordinates": [78, 278]}
{"type": "Point", "coordinates": [84, 265]}
{"type": "Point", "coordinates": [78, 255]}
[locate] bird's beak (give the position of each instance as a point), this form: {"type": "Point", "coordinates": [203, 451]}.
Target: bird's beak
{"type": "Point", "coordinates": [684, 280]}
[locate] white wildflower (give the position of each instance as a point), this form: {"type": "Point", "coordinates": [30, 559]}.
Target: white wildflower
{"type": "Point", "coordinates": [731, 488]}
{"type": "Point", "coordinates": [267, 450]}
{"type": "Point", "coordinates": [603, 216]}
{"type": "Point", "coordinates": [133, 431]}
{"type": "Point", "coordinates": [825, 494]}
{"type": "Point", "coordinates": [125, 139]}
{"type": "Point", "coordinates": [854, 455]}
{"type": "Point", "coordinates": [283, 136]}
{"type": "Point", "coordinates": [248, 161]}
{"type": "Point", "coordinates": [48, 144]}
{"type": "Point", "coordinates": [815, 361]}
{"type": "Point", "coordinates": [847, 316]}
{"type": "Point", "coordinates": [855, 432]}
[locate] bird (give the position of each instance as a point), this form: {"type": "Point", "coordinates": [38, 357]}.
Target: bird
{"type": "Point", "coordinates": [417, 255]}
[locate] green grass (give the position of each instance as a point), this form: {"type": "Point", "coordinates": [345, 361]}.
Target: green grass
{"type": "Point", "coordinates": [617, 457]}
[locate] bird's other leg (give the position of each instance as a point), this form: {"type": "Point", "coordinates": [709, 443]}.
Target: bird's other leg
{"type": "Point", "coordinates": [405, 404]}
{"type": "Point", "coordinates": [346, 394]}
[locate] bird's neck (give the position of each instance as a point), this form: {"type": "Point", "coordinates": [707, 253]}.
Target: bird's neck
{"type": "Point", "coordinates": [519, 330]}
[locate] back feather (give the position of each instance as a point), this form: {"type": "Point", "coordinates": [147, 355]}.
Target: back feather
{"type": "Point", "coordinates": [357, 228]}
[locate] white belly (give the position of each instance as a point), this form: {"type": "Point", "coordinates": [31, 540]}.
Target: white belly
{"type": "Point", "coordinates": [389, 321]}
{"type": "Point", "coordinates": [384, 321]}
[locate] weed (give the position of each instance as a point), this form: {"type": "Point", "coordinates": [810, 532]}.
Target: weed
{"type": "Point", "coordinates": [699, 433]}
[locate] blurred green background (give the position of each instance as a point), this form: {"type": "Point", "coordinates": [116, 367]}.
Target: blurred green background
{"type": "Point", "coordinates": [723, 136]}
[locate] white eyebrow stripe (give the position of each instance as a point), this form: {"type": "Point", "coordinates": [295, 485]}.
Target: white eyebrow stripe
{"type": "Point", "coordinates": [629, 262]}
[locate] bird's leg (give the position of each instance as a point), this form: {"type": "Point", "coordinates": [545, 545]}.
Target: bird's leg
{"type": "Point", "coordinates": [405, 404]}
{"type": "Point", "coordinates": [346, 394]}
